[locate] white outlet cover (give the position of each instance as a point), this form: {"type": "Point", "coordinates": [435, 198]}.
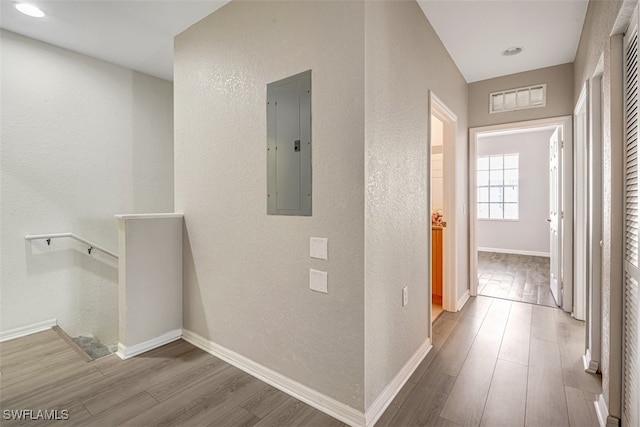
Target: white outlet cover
{"type": "Point", "coordinates": [318, 280]}
{"type": "Point", "coordinates": [405, 296]}
{"type": "Point", "coordinates": [318, 247]}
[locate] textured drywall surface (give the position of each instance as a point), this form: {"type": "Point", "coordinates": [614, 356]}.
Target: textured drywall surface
{"type": "Point", "coordinates": [404, 60]}
{"type": "Point", "coordinates": [594, 43]}
{"type": "Point", "coordinates": [559, 80]}
{"type": "Point", "coordinates": [531, 231]}
{"type": "Point", "coordinates": [82, 140]}
{"type": "Point", "coordinates": [246, 274]}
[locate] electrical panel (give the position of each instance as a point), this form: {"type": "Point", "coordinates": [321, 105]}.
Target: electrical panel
{"type": "Point", "coordinates": [289, 146]}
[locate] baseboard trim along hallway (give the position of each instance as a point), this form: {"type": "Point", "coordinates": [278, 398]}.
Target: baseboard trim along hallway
{"type": "Point", "coordinates": [293, 388]}
{"type": "Point", "coordinates": [23, 331]}
{"type": "Point", "coordinates": [385, 398]}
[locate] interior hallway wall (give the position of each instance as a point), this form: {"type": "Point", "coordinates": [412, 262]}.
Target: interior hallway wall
{"type": "Point", "coordinates": [530, 233]}
{"type": "Point", "coordinates": [82, 140]}
{"type": "Point", "coordinates": [404, 60]}
{"type": "Point", "coordinates": [246, 273]}
{"type": "Point", "coordinates": [603, 19]}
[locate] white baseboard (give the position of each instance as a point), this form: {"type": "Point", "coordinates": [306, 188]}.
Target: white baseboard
{"type": "Point", "coordinates": [385, 398]}
{"type": "Point", "coordinates": [462, 300]}
{"type": "Point", "coordinates": [125, 352]}
{"type": "Point", "coordinates": [301, 392]}
{"type": "Point", "coordinates": [604, 419]}
{"type": "Point", "coordinates": [515, 252]}
{"type": "Point", "coordinates": [591, 366]}
{"type": "Point", "coordinates": [27, 330]}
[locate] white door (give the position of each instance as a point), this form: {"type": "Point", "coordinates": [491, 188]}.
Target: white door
{"type": "Point", "coordinates": [631, 319]}
{"type": "Point", "coordinates": [555, 214]}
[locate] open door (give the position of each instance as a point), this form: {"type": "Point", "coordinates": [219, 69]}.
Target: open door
{"type": "Point", "coordinates": [555, 215]}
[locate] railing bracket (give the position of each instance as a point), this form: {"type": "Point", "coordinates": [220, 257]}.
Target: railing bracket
{"type": "Point", "coordinates": [48, 242]}
{"type": "Point", "coordinates": [90, 249]}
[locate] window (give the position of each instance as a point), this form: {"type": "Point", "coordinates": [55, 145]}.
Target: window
{"type": "Point", "coordinates": [498, 187]}
{"type": "Point", "coordinates": [518, 99]}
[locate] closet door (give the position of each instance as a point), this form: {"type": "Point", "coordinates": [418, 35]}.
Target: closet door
{"type": "Point", "coordinates": [631, 363]}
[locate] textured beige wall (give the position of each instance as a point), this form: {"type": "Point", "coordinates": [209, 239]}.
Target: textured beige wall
{"type": "Point", "coordinates": [404, 60]}
{"type": "Point", "coordinates": [246, 274]}
{"type": "Point", "coordinates": [559, 80]}
{"type": "Point", "coordinates": [594, 43]}
{"type": "Point", "coordinates": [82, 140]}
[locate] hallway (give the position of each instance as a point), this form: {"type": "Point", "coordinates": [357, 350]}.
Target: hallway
{"type": "Point", "coordinates": [496, 363]}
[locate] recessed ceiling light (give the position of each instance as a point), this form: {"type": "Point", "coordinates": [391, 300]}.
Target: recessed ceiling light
{"type": "Point", "coordinates": [512, 51]}
{"type": "Point", "coordinates": [29, 9]}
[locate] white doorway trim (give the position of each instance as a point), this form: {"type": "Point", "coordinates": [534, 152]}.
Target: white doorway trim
{"type": "Point", "coordinates": [581, 203]}
{"type": "Point", "coordinates": [565, 123]}
{"type": "Point", "coordinates": [449, 255]}
{"type": "Point", "coordinates": [593, 343]}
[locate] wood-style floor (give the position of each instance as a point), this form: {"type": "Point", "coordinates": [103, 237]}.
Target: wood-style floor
{"type": "Point", "coordinates": [176, 384]}
{"type": "Point", "coordinates": [515, 277]}
{"type": "Point", "coordinates": [495, 363]}
{"type": "Point", "coordinates": [500, 363]}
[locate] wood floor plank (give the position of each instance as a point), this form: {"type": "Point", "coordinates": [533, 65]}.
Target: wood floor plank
{"type": "Point", "coordinates": [149, 373]}
{"type": "Point", "coordinates": [546, 399]}
{"type": "Point", "coordinates": [198, 406]}
{"type": "Point", "coordinates": [515, 343]}
{"type": "Point", "coordinates": [571, 342]}
{"type": "Point", "coordinates": [543, 325]}
{"type": "Point", "coordinates": [472, 384]}
{"type": "Point", "coordinates": [581, 406]}
{"type": "Point", "coordinates": [122, 412]}
{"type": "Point", "coordinates": [263, 403]}
{"type": "Point", "coordinates": [424, 405]}
{"type": "Point", "coordinates": [288, 414]}
{"type": "Point", "coordinates": [507, 399]}
{"type": "Point", "coordinates": [394, 407]}
{"type": "Point", "coordinates": [239, 417]}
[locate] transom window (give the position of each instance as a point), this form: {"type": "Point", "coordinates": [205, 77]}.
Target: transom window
{"type": "Point", "coordinates": [498, 187]}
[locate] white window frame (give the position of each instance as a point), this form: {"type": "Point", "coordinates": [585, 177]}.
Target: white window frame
{"type": "Point", "coordinates": [504, 185]}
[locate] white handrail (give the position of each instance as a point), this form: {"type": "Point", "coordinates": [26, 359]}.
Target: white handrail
{"type": "Point", "coordinates": [48, 238]}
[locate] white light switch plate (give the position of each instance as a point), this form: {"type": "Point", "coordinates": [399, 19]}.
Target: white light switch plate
{"type": "Point", "coordinates": [318, 280]}
{"type": "Point", "coordinates": [318, 247]}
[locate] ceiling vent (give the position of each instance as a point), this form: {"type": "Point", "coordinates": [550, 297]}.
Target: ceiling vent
{"type": "Point", "coordinates": [518, 99]}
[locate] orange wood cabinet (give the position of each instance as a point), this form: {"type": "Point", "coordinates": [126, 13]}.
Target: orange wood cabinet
{"type": "Point", "coordinates": [436, 265]}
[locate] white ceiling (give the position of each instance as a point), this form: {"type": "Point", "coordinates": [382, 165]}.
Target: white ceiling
{"type": "Point", "coordinates": [477, 32]}
{"type": "Point", "coordinates": [138, 34]}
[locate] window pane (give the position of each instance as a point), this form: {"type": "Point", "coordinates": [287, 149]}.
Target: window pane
{"type": "Point", "coordinates": [498, 104]}
{"type": "Point", "coordinates": [483, 178]}
{"type": "Point", "coordinates": [510, 101]}
{"type": "Point", "coordinates": [496, 162]}
{"type": "Point", "coordinates": [511, 177]}
{"type": "Point", "coordinates": [496, 194]}
{"type": "Point", "coordinates": [495, 210]}
{"type": "Point", "coordinates": [496, 177]}
{"type": "Point", "coordinates": [511, 211]}
{"type": "Point", "coordinates": [483, 195]}
{"type": "Point", "coordinates": [523, 98]}
{"type": "Point", "coordinates": [483, 210]}
{"type": "Point", "coordinates": [511, 194]}
{"type": "Point", "coordinates": [483, 163]}
{"type": "Point", "coordinates": [511, 161]}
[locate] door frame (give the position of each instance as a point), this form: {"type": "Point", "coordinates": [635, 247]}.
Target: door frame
{"type": "Point", "coordinates": [581, 203]}
{"type": "Point", "coordinates": [566, 122]}
{"type": "Point", "coordinates": [449, 254]}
